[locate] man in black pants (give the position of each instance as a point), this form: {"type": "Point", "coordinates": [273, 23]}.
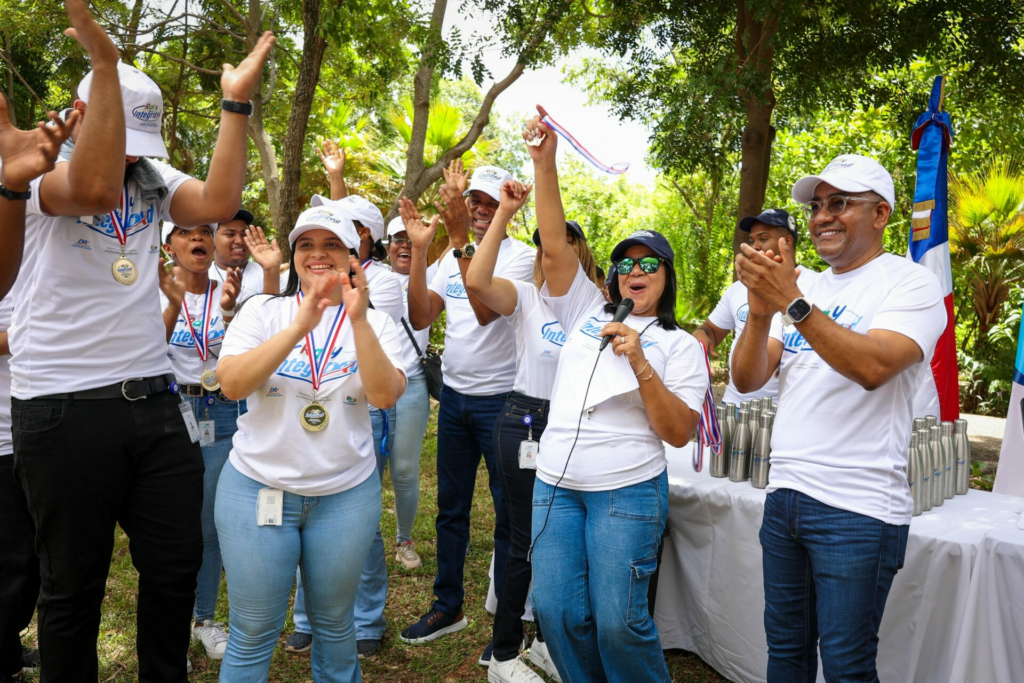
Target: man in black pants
{"type": "Point", "coordinates": [99, 437]}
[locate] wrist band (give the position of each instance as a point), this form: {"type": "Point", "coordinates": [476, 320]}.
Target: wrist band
{"type": "Point", "coordinates": [642, 369]}
{"type": "Point", "coordinates": [244, 108]}
{"type": "Point", "coordinates": [12, 196]}
{"type": "Point", "coordinates": [644, 379]}
{"type": "Point", "coordinates": [227, 314]}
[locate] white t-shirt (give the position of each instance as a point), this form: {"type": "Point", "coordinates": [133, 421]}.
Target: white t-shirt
{"type": "Point", "coordinates": [833, 440]}
{"type": "Point", "coordinates": [78, 328]}
{"type": "Point", "coordinates": [252, 280]}
{"type": "Point", "coordinates": [617, 446]}
{"type": "Point", "coordinates": [385, 292]}
{"type": "Point", "coordinates": [6, 441]}
{"type": "Point", "coordinates": [271, 445]}
{"type": "Point", "coordinates": [731, 314]}
{"type": "Point", "coordinates": [185, 361]}
{"type": "Point", "coordinates": [479, 361]}
{"type": "Point", "coordinates": [409, 355]}
{"type": "Point", "coordinates": [539, 340]}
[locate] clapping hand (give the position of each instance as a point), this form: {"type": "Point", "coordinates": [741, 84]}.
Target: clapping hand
{"type": "Point", "coordinates": [90, 35]}
{"type": "Point", "coordinates": [356, 296]}
{"type": "Point", "coordinates": [333, 158]}
{"type": "Point", "coordinates": [230, 289]}
{"type": "Point", "coordinates": [421, 234]}
{"type": "Point", "coordinates": [316, 300]}
{"type": "Point", "coordinates": [28, 154]}
{"type": "Point", "coordinates": [456, 177]}
{"type": "Point", "coordinates": [238, 82]}
{"type": "Point", "coordinates": [171, 284]}
{"type": "Point", "coordinates": [266, 253]}
{"type": "Point", "coordinates": [455, 216]}
{"type": "Point", "coordinates": [770, 280]}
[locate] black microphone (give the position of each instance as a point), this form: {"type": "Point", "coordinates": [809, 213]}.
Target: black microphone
{"type": "Point", "coordinates": [621, 313]}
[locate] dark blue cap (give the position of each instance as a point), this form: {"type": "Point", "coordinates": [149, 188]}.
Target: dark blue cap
{"type": "Point", "coordinates": [777, 218]}
{"type": "Point", "coordinates": [571, 226]}
{"type": "Point", "coordinates": [654, 241]}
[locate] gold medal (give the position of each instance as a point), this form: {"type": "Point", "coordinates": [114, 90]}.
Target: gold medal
{"type": "Point", "coordinates": [314, 417]}
{"type": "Point", "coordinates": [209, 380]}
{"type": "Point", "coordinates": [124, 271]}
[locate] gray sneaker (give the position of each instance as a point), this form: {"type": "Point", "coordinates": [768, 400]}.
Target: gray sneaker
{"type": "Point", "coordinates": [298, 642]}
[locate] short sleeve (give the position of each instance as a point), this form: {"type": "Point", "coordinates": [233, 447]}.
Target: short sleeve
{"type": "Point", "coordinates": [33, 206]}
{"type": "Point", "coordinates": [439, 282]}
{"type": "Point", "coordinates": [723, 316]}
{"type": "Point", "coordinates": [520, 266]}
{"type": "Point", "coordinates": [523, 290]}
{"type": "Point", "coordinates": [686, 373]}
{"type": "Point", "coordinates": [6, 309]}
{"type": "Point", "coordinates": [391, 342]}
{"type": "Point", "coordinates": [246, 331]}
{"type": "Point", "coordinates": [775, 330]}
{"type": "Point", "coordinates": [578, 302]}
{"type": "Point", "coordinates": [386, 294]}
{"type": "Point", "coordinates": [174, 179]}
{"type": "Point", "coordinates": [913, 307]}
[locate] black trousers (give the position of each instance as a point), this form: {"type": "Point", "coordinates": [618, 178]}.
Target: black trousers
{"type": "Point", "coordinates": [517, 484]}
{"type": "Point", "coordinates": [86, 466]}
{"type": "Point", "coordinates": [19, 568]}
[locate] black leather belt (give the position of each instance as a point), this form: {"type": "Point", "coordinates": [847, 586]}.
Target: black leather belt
{"type": "Point", "coordinates": [130, 389]}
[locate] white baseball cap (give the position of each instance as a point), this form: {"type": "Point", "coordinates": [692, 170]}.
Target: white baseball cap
{"type": "Point", "coordinates": [167, 227]}
{"type": "Point", "coordinates": [143, 111]}
{"type": "Point", "coordinates": [396, 226]}
{"type": "Point", "coordinates": [358, 209]}
{"type": "Point", "coordinates": [488, 179]}
{"type": "Point", "coordinates": [849, 173]}
{"type": "Point", "coordinates": [325, 218]}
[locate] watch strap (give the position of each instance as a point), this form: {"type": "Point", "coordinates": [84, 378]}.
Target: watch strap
{"type": "Point", "coordinates": [12, 196]}
{"type": "Point", "coordinates": [244, 108]}
{"type": "Point", "coordinates": [457, 253]}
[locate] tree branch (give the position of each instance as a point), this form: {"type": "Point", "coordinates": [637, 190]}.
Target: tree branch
{"type": "Point", "coordinates": [21, 78]}
{"type": "Point", "coordinates": [233, 10]}
{"type": "Point", "coordinates": [176, 60]}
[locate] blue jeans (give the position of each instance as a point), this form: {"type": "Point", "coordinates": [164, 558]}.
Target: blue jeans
{"type": "Point", "coordinates": [413, 413]}
{"type": "Point", "coordinates": [827, 574]}
{"type": "Point", "coordinates": [592, 563]}
{"type": "Point", "coordinates": [373, 585]}
{"type": "Point", "coordinates": [330, 536]}
{"type": "Point", "coordinates": [465, 426]}
{"type": "Point", "coordinates": [224, 414]}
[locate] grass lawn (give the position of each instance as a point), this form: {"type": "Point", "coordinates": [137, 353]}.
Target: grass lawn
{"type": "Point", "coordinates": [452, 658]}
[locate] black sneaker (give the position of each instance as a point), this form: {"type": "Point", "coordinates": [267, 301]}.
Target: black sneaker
{"type": "Point", "coordinates": [485, 656]}
{"type": "Point", "coordinates": [433, 625]}
{"type": "Point", "coordinates": [367, 648]}
{"type": "Point", "coordinates": [29, 660]}
{"type": "Point", "coordinates": [298, 642]}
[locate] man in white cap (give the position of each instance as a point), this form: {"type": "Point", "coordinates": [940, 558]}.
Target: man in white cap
{"type": "Point", "coordinates": [479, 370]}
{"type": "Point", "coordinates": [851, 345]}
{"type": "Point", "coordinates": [234, 241]}
{"type": "Point", "coordinates": [100, 439]}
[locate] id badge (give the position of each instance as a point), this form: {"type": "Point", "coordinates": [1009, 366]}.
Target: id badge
{"type": "Point", "coordinates": [269, 507]}
{"type": "Point", "coordinates": [190, 421]}
{"type": "Point", "coordinates": [207, 432]}
{"type": "Point", "coordinates": [528, 451]}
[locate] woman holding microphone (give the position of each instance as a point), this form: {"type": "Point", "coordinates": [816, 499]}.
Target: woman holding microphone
{"type": "Point", "coordinates": [300, 483]}
{"type": "Point", "coordinates": [601, 497]}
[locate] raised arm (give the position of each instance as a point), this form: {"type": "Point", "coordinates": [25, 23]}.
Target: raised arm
{"type": "Point", "coordinates": [217, 199]}
{"type": "Point", "coordinates": [559, 260]}
{"type": "Point", "coordinates": [333, 159]}
{"type": "Point", "coordinates": [267, 255]}
{"type": "Point", "coordinates": [424, 305]}
{"type": "Point", "coordinates": [497, 293]}
{"type": "Point", "coordinates": [91, 183]}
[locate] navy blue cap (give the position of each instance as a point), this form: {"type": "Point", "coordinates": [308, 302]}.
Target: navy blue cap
{"type": "Point", "coordinates": [654, 241]}
{"type": "Point", "coordinates": [777, 218]}
{"type": "Point", "coordinates": [571, 226]}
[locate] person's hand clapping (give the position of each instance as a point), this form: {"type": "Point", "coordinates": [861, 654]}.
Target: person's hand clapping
{"type": "Point", "coordinates": [455, 216]}
{"type": "Point", "coordinates": [238, 82]}
{"type": "Point", "coordinates": [420, 234]}
{"type": "Point", "coordinates": [171, 283]}
{"type": "Point", "coordinates": [535, 129]}
{"type": "Point", "coordinates": [455, 176]}
{"type": "Point", "coordinates": [626, 342]}
{"type": "Point", "coordinates": [315, 301]}
{"type": "Point", "coordinates": [264, 252]}
{"type": "Point", "coordinates": [770, 280]}
{"type": "Point", "coordinates": [89, 34]}
{"type": "Point", "coordinates": [230, 289]}
{"type": "Point", "coordinates": [356, 296]}
{"type": "Point", "coordinates": [333, 158]}
{"type": "Point", "coordinates": [28, 154]}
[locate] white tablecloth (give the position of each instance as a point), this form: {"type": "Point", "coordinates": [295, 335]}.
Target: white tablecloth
{"type": "Point", "coordinates": [955, 611]}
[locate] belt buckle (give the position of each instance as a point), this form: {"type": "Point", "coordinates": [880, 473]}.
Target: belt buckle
{"type": "Point", "coordinates": [132, 379]}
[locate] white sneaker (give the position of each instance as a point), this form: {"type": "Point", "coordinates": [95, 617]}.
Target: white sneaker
{"type": "Point", "coordinates": [408, 556]}
{"type": "Point", "coordinates": [541, 658]}
{"type": "Point", "coordinates": [213, 637]}
{"type": "Point", "coordinates": [512, 671]}
{"type": "Point", "coordinates": [188, 669]}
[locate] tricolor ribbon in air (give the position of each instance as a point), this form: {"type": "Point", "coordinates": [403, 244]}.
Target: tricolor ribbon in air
{"type": "Point", "coordinates": [201, 339]}
{"type": "Point", "coordinates": [614, 169]}
{"type": "Point", "coordinates": [317, 369]}
{"type": "Point", "coordinates": [709, 433]}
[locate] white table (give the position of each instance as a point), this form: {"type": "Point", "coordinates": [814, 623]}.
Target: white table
{"type": "Point", "coordinates": [955, 611]}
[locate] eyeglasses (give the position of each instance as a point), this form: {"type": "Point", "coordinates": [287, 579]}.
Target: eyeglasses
{"type": "Point", "coordinates": [401, 241]}
{"type": "Point", "coordinates": [834, 205]}
{"type": "Point", "coordinates": [648, 264]}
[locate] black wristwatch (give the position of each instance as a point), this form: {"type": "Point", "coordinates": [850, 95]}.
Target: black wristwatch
{"type": "Point", "coordinates": [12, 196]}
{"type": "Point", "coordinates": [237, 107]}
{"type": "Point", "coordinates": [466, 252]}
{"type": "Point", "coordinates": [795, 313]}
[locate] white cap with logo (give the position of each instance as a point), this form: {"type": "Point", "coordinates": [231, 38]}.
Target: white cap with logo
{"type": "Point", "coordinates": [849, 173]}
{"type": "Point", "coordinates": [488, 179]}
{"type": "Point", "coordinates": [325, 218]}
{"type": "Point", "coordinates": [143, 111]}
{"type": "Point", "coordinates": [396, 226]}
{"type": "Point", "coordinates": [358, 209]}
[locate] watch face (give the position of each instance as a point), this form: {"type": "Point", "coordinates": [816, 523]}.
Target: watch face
{"type": "Point", "coordinates": [469, 250]}
{"type": "Point", "coordinates": [798, 310]}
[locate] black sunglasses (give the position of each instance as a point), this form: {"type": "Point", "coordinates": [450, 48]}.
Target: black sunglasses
{"type": "Point", "coordinates": [648, 264]}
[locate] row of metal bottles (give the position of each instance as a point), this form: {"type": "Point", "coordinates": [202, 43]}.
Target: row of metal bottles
{"type": "Point", "coordinates": [938, 462]}
{"type": "Point", "coordinates": [746, 441]}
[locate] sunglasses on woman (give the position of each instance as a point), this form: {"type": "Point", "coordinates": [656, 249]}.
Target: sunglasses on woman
{"type": "Point", "coordinates": [648, 264]}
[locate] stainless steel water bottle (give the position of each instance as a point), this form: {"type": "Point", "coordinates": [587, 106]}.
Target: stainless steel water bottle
{"type": "Point", "coordinates": [918, 423]}
{"type": "Point", "coordinates": [754, 421]}
{"type": "Point", "coordinates": [762, 450]}
{"type": "Point", "coordinates": [913, 474]}
{"type": "Point", "coordinates": [962, 450]}
{"type": "Point", "coordinates": [745, 405]}
{"type": "Point", "coordinates": [948, 460]}
{"type": "Point", "coordinates": [720, 461]}
{"type": "Point", "coordinates": [924, 476]}
{"type": "Point", "coordinates": [938, 466]}
{"type": "Point", "coordinates": [739, 459]}
{"type": "Point", "coordinates": [930, 421]}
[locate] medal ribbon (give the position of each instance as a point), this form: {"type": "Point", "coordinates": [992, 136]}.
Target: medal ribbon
{"type": "Point", "coordinates": [202, 339]}
{"type": "Point", "coordinates": [117, 219]}
{"type": "Point", "coordinates": [316, 377]}
{"type": "Point", "coordinates": [614, 169]}
{"type": "Point", "coordinates": [708, 430]}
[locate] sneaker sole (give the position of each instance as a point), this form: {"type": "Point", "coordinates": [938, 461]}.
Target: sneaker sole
{"type": "Point", "coordinates": [298, 651]}
{"type": "Point", "coordinates": [209, 654]}
{"type": "Point", "coordinates": [408, 566]}
{"type": "Point", "coordinates": [545, 665]}
{"type": "Point", "coordinates": [457, 626]}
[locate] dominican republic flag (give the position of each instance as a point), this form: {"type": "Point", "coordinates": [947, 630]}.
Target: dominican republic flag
{"type": "Point", "coordinates": [939, 393]}
{"type": "Point", "coordinates": [1010, 475]}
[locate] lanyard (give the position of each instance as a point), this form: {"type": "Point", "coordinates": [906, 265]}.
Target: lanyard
{"type": "Point", "coordinates": [118, 218]}
{"type": "Point", "coordinates": [318, 369]}
{"type": "Point", "coordinates": [202, 339]}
